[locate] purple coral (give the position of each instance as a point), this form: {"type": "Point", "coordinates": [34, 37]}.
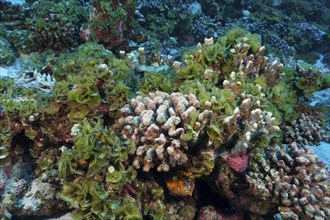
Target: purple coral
{"type": "Point", "coordinates": [210, 212]}
{"type": "Point", "coordinates": [238, 162]}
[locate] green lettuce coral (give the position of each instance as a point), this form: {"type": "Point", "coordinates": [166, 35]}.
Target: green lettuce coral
{"type": "Point", "coordinates": [94, 172]}
{"type": "Point", "coordinates": [55, 25]}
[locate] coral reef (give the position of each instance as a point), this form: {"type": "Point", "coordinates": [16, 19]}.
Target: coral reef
{"type": "Point", "coordinates": [10, 13]}
{"type": "Point", "coordinates": [168, 18]}
{"type": "Point", "coordinates": [139, 133]}
{"type": "Point", "coordinates": [288, 178]}
{"type": "Point", "coordinates": [302, 21]}
{"type": "Point", "coordinates": [285, 31]}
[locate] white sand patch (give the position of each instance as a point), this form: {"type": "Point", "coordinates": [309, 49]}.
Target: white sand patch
{"type": "Point", "coordinates": [322, 96]}
{"type": "Point", "coordinates": [10, 71]}
{"type": "Point", "coordinates": [323, 152]}
{"type": "Point", "coordinates": [20, 2]}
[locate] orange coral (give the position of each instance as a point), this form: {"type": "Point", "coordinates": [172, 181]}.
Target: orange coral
{"type": "Point", "coordinates": [180, 186]}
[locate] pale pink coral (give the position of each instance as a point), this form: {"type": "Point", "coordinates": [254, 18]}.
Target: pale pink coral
{"type": "Point", "coordinates": [158, 123]}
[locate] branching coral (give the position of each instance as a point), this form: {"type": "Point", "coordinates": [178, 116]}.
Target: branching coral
{"type": "Point", "coordinates": [300, 181]}
{"type": "Point", "coordinates": [288, 180]}
{"type": "Point", "coordinates": [162, 125]}
{"type": "Point", "coordinates": [306, 130]}
{"type": "Point", "coordinates": [241, 112]}
{"type": "Point", "coordinates": [309, 81]}
{"type": "Point", "coordinates": [256, 124]}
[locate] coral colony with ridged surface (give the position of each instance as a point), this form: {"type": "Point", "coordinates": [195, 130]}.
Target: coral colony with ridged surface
{"type": "Point", "coordinates": [195, 110]}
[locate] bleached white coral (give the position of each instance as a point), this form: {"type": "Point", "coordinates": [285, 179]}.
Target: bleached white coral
{"type": "Point", "coordinates": [255, 122]}
{"type": "Point", "coordinates": [45, 80]}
